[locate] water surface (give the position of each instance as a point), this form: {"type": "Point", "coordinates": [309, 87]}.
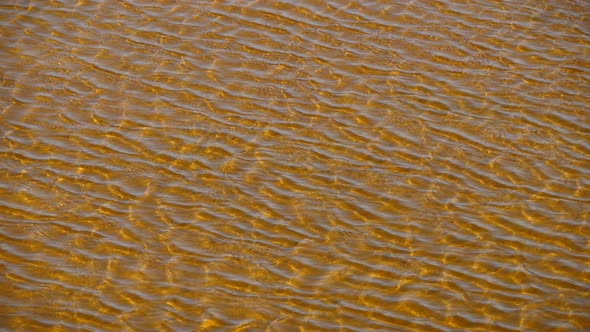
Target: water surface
{"type": "Point", "coordinates": [295, 166]}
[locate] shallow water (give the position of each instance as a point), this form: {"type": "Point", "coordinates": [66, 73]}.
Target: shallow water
{"type": "Point", "coordinates": [278, 166]}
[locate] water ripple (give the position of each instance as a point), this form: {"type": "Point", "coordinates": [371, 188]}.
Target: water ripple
{"type": "Point", "coordinates": [274, 166]}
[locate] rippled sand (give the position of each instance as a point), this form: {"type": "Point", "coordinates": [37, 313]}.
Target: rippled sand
{"type": "Point", "coordinates": [295, 166]}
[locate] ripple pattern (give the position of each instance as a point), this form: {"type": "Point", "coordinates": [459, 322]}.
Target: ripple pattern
{"type": "Point", "coordinates": [285, 166]}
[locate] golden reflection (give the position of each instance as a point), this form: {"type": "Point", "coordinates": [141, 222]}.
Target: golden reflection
{"type": "Point", "coordinates": [302, 166]}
